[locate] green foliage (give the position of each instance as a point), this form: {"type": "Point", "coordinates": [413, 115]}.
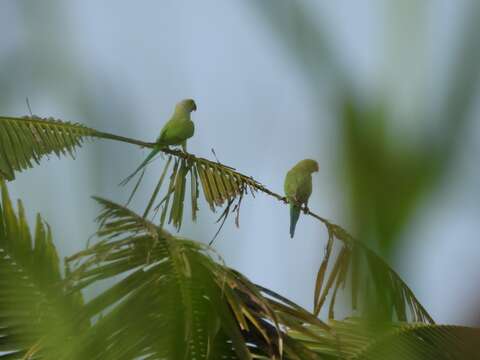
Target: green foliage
{"type": "Point", "coordinates": [386, 183]}
{"type": "Point", "coordinates": [30, 138]}
{"type": "Point", "coordinates": [220, 185]}
{"type": "Point", "coordinates": [370, 280]}
{"type": "Point", "coordinates": [35, 310]}
{"type": "Point", "coordinates": [166, 292]}
{"type": "Point", "coordinates": [27, 139]}
{"type": "Point", "coordinates": [400, 177]}
{"type": "Point", "coordinates": [353, 338]}
{"type": "Point", "coordinates": [223, 185]}
{"type": "Point", "coordinates": [173, 300]}
{"type": "Point", "coordinates": [170, 297]}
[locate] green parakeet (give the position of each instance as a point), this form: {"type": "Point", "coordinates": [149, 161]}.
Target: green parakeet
{"type": "Point", "coordinates": [176, 131]}
{"type": "Point", "coordinates": [298, 188]}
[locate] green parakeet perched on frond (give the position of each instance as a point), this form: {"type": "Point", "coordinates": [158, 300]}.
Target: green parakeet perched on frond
{"type": "Point", "coordinates": [176, 131]}
{"type": "Point", "coordinates": [298, 188]}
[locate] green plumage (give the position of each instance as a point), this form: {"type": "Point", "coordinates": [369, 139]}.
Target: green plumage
{"type": "Point", "coordinates": [176, 131]}
{"type": "Point", "coordinates": [298, 188]}
{"type": "Point", "coordinates": [180, 127]}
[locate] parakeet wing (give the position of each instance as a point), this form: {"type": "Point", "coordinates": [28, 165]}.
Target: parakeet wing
{"type": "Point", "coordinates": [176, 131]}
{"type": "Point", "coordinates": [298, 185]}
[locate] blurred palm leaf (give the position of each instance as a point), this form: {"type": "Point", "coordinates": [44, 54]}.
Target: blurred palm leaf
{"type": "Point", "coordinates": [35, 311]}
{"type": "Point", "coordinates": [30, 138]}
{"type": "Point", "coordinates": [387, 183]}
{"type": "Point", "coordinates": [353, 338]}
{"type": "Point", "coordinates": [172, 300]}
{"type": "Point", "coordinates": [306, 40]}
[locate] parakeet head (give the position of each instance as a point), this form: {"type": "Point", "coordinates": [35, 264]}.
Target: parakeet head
{"type": "Point", "coordinates": [187, 105]}
{"type": "Point", "coordinates": [308, 165]}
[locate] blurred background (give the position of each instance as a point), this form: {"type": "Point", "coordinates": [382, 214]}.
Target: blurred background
{"type": "Point", "coordinates": [382, 93]}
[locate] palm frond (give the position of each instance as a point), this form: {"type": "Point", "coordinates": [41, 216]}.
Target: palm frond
{"type": "Point", "coordinates": [370, 279]}
{"type": "Point", "coordinates": [26, 140]}
{"type": "Point", "coordinates": [355, 263]}
{"type": "Point", "coordinates": [220, 184]}
{"type": "Point", "coordinates": [353, 338]}
{"type": "Point", "coordinates": [171, 299]}
{"type": "Point", "coordinates": [34, 309]}
{"type": "Point", "coordinates": [423, 342]}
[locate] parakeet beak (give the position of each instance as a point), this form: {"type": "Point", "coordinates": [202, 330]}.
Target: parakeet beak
{"type": "Point", "coordinates": [194, 107]}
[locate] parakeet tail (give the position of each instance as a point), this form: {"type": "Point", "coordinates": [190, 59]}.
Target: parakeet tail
{"type": "Point", "coordinates": [142, 165]}
{"type": "Point", "coordinates": [294, 215]}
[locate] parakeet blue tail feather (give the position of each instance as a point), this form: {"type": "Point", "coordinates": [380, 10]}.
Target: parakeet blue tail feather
{"type": "Point", "coordinates": [294, 215]}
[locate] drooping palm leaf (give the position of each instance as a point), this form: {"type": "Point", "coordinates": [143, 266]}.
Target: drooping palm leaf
{"type": "Point", "coordinates": [353, 338]}
{"type": "Point", "coordinates": [28, 139]}
{"type": "Point", "coordinates": [220, 185]}
{"type": "Point", "coordinates": [172, 300]}
{"type": "Point", "coordinates": [34, 309]}
{"type": "Point", "coordinates": [370, 280]}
